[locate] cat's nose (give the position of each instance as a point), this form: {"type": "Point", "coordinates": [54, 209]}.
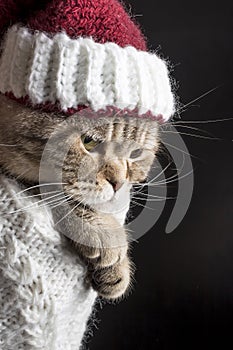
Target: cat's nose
{"type": "Point", "coordinates": [115, 185]}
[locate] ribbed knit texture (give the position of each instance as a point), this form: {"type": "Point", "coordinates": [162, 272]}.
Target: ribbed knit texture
{"type": "Point", "coordinates": [74, 54]}
{"type": "Point", "coordinates": [83, 72]}
{"type": "Point", "coordinates": [44, 303]}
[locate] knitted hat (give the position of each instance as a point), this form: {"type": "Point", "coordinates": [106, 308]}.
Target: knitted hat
{"type": "Point", "coordinates": [83, 53]}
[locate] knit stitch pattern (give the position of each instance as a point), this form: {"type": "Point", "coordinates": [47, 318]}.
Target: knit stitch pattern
{"type": "Point", "coordinates": [102, 20]}
{"type": "Point", "coordinates": [83, 72]}
{"type": "Point", "coordinates": [44, 303]}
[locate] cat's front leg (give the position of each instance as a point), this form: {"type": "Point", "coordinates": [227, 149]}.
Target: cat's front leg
{"type": "Point", "coordinates": [109, 268]}
{"type": "Point", "coordinates": [102, 244]}
{"type": "Point", "coordinates": [101, 240]}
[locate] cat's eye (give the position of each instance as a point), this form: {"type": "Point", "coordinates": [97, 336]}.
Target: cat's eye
{"type": "Point", "coordinates": [136, 153]}
{"type": "Point", "coordinates": [88, 142]}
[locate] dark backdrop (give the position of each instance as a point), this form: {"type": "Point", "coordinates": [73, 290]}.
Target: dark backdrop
{"type": "Point", "coordinates": [183, 298]}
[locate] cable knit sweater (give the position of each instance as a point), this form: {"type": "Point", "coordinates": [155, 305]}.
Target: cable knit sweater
{"type": "Point", "coordinates": [44, 303]}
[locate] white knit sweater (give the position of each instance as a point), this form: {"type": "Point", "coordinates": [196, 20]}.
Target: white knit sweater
{"type": "Point", "coordinates": [44, 303]}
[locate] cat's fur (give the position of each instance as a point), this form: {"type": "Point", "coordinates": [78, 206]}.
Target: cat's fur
{"type": "Point", "coordinates": [123, 157]}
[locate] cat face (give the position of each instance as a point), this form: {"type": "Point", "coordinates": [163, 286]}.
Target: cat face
{"type": "Point", "coordinates": [104, 156]}
{"type": "Point", "coordinates": [107, 156]}
{"type": "Point", "coordinates": [97, 160]}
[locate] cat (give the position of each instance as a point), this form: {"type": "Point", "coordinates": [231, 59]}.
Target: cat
{"type": "Point", "coordinates": [99, 160]}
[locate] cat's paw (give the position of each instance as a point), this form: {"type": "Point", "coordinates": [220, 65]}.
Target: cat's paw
{"type": "Point", "coordinates": [112, 282]}
{"type": "Point", "coordinates": [102, 257]}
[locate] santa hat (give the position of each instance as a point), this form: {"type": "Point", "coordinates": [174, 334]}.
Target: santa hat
{"type": "Point", "coordinates": [82, 53]}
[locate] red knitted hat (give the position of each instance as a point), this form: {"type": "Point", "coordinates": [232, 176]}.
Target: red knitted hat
{"type": "Point", "coordinates": [78, 53]}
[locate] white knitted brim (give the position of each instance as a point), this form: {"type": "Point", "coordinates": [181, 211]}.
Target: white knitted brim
{"type": "Point", "coordinates": [83, 72]}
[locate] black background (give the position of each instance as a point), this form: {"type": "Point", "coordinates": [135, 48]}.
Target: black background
{"type": "Point", "coordinates": [183, 297]}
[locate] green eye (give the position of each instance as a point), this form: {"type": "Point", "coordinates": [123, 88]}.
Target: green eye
{"type": "Point", "coordinates": [88, 142]}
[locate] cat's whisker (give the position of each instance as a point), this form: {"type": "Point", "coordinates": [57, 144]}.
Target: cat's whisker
{"type": "Point", "coordinates": [152, 185]}
{"type": "Point", "coordinates": [70, 212]}
{"type": "Point", "coordinates": [165, 180]}
{"type": "Point", "coordinates": [152, 196]}
{"type": "Point", "coordinates": [67, 199]}
{"type": "Point", "coordinates": [47, 198]}
{"type": "Point", "coordinates": [151, 200]}
{"type": "Point", "coordinates": [141, 205]}
{"type": "Point", "coordinates": [158, 200]}
{"type": "Point", "coordinates": [178, 178]}
{"type": "Point", "coordinates": [39, 194]}
{"type": "Point", "coordinates": [133, 204]}
{"type": "Point", "coordinates": [36, 204]}
{"type": "Point", "coordinates": [56, 200]}
{"type": "Point", "coordinates": [193, 135]}
{"type": "Point", "coordinates": [7, 145]}
{"type": "Point", "coordinates": [179, 149]}
{"type": "Point", "coordinates": [22, 175]}
{"type": "Point", "coordinates": [41, 185]}
{"type": "Point", "coordinates": [198, 98]}
{"type": "Point", "coordinates": [161, 182]}
{"type": "Point", "coordinates": [201, 121]}
{"type": "Point", "coordinates": [139, 192]}
{"type": "Point", "coordinates": [191, 128]}
{"type": "Point", "coordinates": [172, 179]}
{"type": "Point", "coordinates": [161, 173]}
{"type": "Point", "coordinates": [157, 176]}
{"type": "Point", "coordinates": [145, 197]}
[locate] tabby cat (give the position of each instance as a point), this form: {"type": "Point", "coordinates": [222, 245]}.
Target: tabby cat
{"type": "Point", "coordinates": [98, 161]}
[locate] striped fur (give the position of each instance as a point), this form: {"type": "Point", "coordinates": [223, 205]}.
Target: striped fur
{"type": "Point", "coordinates": [124, 155]}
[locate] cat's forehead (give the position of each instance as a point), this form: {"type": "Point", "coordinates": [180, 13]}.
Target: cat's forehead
{"type": "Point", "coordinates": [109, 128]}
{"type": "Point", "coordinates": [118, 129]}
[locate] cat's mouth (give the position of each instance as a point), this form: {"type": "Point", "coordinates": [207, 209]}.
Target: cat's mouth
{"type": "Point", "coordinates": [107, 200]}
{"type": "Point", "coordinates": [117, 203]}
